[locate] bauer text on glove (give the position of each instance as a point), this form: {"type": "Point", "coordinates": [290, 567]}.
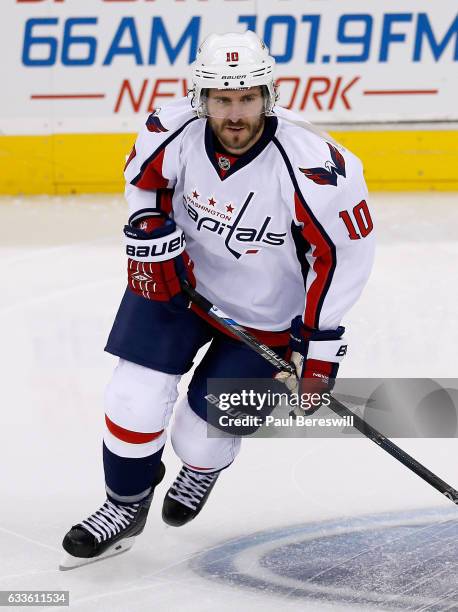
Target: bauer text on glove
{"type": "Point", "coordinates": [157, 260]}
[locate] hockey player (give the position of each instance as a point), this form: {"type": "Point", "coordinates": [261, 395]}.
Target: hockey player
{"type": "Point", "coordinates": [269, 220]}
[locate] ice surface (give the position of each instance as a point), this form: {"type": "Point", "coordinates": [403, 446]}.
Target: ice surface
{"type": "Point", "coordinates": [62, 275]}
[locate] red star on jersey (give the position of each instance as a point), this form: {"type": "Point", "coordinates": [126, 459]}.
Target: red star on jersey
{"type": "Point", "coordinates": [211, 201]}
{"type": "Point", "coordinates": [195, 194]}
{"type": "Point", "coordinates": [229, 208]}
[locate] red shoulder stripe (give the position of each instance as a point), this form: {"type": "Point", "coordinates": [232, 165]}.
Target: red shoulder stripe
{"type": "Point", "coordinates": [152, 177]}
{"type": "Point", "coordinates": [133, 153]}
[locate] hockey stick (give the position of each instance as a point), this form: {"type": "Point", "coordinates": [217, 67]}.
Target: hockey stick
{"type": "Point", "coordinates": [358, 423]}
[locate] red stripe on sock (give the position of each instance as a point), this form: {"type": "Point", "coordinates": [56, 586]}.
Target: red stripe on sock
{"type": "Point", "coordinates": [133, 437]}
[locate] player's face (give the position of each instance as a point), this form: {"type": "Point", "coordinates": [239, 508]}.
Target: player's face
{"type": "Point", "coordinates": [236, 117]}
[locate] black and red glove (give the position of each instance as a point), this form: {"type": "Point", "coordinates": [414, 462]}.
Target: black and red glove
{"type": "Point", "coordinates": [157, 260]}
{"type": "Point", "coordinates": [316, 356]}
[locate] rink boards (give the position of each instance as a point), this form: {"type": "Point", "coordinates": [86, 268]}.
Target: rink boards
{"type": "Point", "coordinates": [82, 77]}
{"type": "Point", "coordinates": [394, 160]}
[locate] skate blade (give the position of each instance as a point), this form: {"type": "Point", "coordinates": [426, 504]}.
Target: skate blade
{"type": "Point", "coordinates": [70, 562]}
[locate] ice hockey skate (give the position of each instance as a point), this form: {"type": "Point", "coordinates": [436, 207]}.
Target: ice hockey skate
{"type": "Point", "coordinates": [187, 496]}
{"type": "Point", "coordinates": [109, 531]}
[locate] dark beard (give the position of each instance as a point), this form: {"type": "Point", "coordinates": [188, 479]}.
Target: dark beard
{"type": "Point", "coordinates": [254, 131]}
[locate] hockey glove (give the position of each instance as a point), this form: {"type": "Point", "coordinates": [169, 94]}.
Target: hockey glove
{"type": "Point", "coordinates": [157, 261]}
{"type": "Point", "coordinates": [316, 356]}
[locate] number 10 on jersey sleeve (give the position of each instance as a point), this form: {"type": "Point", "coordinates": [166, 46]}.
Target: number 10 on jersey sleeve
{"type": "Point", "coordinates": [363, 219]}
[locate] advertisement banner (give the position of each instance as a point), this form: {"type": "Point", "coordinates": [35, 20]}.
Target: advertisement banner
{"type": "Point", "coordinates": [99, 66]}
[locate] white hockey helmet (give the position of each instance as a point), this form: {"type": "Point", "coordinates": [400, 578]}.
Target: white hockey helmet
{"type": "Point", "coordinates": [232, 61]}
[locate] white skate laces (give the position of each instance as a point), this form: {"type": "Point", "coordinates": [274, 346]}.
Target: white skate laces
{"type": "Point", "coordinates": [109, 520]}
{"type": "Point", "coordinates": [190, 487]}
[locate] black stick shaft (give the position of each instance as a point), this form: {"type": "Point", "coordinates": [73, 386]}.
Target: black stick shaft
{"type": "Point", "coordinates": [358, 423]}
{"type": "Point", "coordinates": [396, 452]}
{"type": "Point", "coordinates": [232, 326]}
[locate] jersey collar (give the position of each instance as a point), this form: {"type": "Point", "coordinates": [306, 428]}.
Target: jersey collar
{"type": "Point", "coordinates": [270, 127]}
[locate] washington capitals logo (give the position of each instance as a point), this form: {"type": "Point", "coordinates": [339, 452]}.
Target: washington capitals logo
{"type": "Point", "coordinates": [153, 123]}
{"type": "Point", "coordinates": [236, 235]}
{"type": "Point", "coordinates": [328, 174]}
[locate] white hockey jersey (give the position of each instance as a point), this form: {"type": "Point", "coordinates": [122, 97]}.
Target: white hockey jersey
{"type": "Point", "coordinates": [282, 231]}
